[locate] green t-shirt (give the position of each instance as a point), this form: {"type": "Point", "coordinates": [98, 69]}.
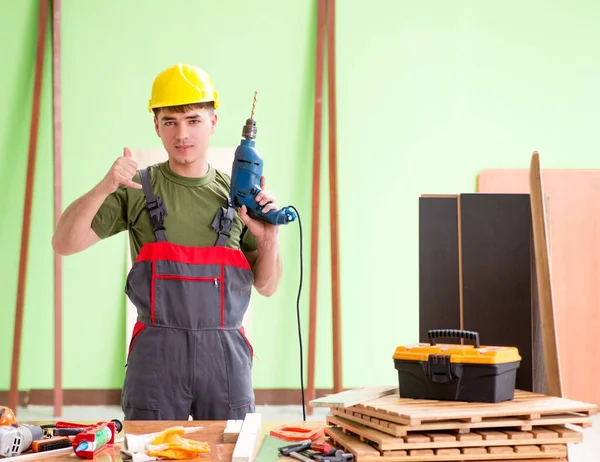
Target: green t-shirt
{"type": "Point", "coordinates": [191, 203]}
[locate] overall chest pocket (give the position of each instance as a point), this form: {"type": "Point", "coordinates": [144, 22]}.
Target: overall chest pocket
{"type": "Point", "coordinates": [187, 296]}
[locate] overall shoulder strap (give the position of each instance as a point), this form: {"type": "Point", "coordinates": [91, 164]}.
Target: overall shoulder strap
{"type": "Point", "coordinates": [155, 206]}
{"type": "Point", "coordinates": [222, 224]}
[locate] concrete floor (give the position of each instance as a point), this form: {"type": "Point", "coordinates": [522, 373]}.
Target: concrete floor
{"type": "Point", "coordinates": [587, 451]}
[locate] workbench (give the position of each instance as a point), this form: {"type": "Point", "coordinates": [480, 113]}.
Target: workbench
{"type": "Point", "coordinates": [212, 433]}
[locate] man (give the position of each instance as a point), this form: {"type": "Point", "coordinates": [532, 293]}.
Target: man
{"type": "Point", "coordinates": [195, 261]}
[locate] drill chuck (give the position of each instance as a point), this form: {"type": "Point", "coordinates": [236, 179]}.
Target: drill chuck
{"type": "Point", "coordinates": [249, 131]}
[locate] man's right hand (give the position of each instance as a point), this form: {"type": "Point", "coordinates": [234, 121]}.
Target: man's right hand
{"type": "Point", "coordinates": [121, 173]}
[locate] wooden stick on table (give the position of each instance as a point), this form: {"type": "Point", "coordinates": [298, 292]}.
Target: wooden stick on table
{"type": "Point", "coordinates": [544, 280]}
{"type": "Point", "coordinates": [13, 398]}
{"type": "Point", "coordinates": [245, 447]}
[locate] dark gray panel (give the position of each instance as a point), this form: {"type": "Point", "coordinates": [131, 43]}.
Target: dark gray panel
{"type": "Point", "coordinates": [497, 262]}
{"type": "Point", "coordinates": [439, 304]}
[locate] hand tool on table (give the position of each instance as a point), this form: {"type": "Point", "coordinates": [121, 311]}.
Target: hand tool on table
{"type": "Point", "coordinates": [309, 451]}
{"type": "Point", "coordinates": [62, 428]}
{"type": "Point", "coordinates": [323, 448]}
{"type": "Point", "coordinates": [295, 433]}
{"type": "Point", "coordinates": [296, 447]}
{"type": "Point", "coordinates": [93, 439]}
{"type": "Point", "coordinates": [51, 443]}
{"type": "Point", "coordinates": [339, 456]}
{"type": "Point", "coordinates": [16, 439]}
{"type": "Point", "coordinates": [294, 450]}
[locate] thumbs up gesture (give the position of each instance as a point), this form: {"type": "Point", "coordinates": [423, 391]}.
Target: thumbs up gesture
{"type": "Point", "coordinates": [121, 173]}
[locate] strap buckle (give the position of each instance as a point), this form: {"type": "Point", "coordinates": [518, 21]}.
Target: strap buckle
{"type": "Point", "coordinates": [222, 224]}
{"type": "Point", "coordinates": [158, 212]}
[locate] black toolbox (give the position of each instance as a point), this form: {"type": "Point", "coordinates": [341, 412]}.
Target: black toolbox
{"type": "Point", "coordinates": [454, 372]}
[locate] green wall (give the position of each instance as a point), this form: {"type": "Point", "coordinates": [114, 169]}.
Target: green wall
{"type": "Point", "coordinates": [429, 94]}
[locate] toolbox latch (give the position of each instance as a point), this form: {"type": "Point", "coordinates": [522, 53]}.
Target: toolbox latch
{"type": "Point", "coordinates": [439, 368]}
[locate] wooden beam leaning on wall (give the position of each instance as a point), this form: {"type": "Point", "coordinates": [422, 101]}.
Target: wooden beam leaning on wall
{"type": "Point", "coordinates": [325, 24]}
{"type": "Point", "coordinates": [316, 182]}
{"type": "Point", "coordinates": [13, 399]}
{"type": "Point", "coordinates": [57, 136]}
{"type": "Point", "coordinates": [544, 281]}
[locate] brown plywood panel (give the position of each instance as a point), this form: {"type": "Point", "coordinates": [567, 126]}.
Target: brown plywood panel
{"type": "Point", "coordinates": [574, 231]}
{"type": "Point", "coordinates": [439, 295]}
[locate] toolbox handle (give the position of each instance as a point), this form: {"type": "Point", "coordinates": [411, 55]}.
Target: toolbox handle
{"type": "Point", "coordinates": [453, 333]}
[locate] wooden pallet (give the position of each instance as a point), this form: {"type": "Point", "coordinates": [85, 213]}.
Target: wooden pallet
{"type": "Point", "coordinates": [353, 396]}
{"type": "Point", "coordinates": [378, 422]}
{"type": "Point", "coordinates": [438, 440]}
{"type": "Point", "coordinates": [525, 405]}
{"type": "Point", "coordinates": [364, 452]}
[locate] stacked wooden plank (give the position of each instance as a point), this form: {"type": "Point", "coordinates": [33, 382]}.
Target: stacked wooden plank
{"type": "Point", "coordinates": [393, 429]}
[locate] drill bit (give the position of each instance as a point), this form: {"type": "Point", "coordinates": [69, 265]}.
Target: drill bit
{"type": "Point", "coordinates": [253, 105]}
{"type": "Point", "coordinates": [249, 130]}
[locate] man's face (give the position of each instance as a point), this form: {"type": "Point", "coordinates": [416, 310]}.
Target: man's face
{"type": "Point", "coordinates": [185, 136]}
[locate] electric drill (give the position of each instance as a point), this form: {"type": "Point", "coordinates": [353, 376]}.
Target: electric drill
{"type": "Point", "coordinates": [245, 178]}
{"type": "Point", "coordinates": [15, 439]}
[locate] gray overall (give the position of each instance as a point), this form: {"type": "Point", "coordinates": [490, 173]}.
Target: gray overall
{"type": "Point", "coordinates": [188, 354]}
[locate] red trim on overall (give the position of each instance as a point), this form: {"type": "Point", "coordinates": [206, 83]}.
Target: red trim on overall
{"type": "Point", "coordinates": [137, 330]}
{"type": "Point", "coordinates": [186, 278]}
{"type": "Point", "coordinates": [222, 296]}
{"type": "Point", "coordinates": [243, 332]}
{"type": "Point", "coordinates": [153, 284]}
{"type": "Point", "coordinates": [195, 255]}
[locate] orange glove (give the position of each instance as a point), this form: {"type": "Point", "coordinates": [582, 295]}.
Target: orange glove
{"type": "Point", "coordinates": [170, 444]}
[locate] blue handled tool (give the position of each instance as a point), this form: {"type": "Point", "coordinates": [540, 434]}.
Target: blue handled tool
{"type": "Point", "coordinates": [246, 174]}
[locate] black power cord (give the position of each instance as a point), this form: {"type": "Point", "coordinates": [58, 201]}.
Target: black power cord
{"type": "Point", "coordinates": [298, 317]}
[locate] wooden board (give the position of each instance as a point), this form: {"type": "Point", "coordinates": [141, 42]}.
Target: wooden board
{"type": "Point", "coordinates": [379, 421]}
{"type": "Point", "coordinates": [364, 452]}
{"type": "Point", "coordinates": [439, 273]}
{"type": "Point", "coordinates": [496, 273]}
{"type": "Point", "coordinates": [476, 438]}
{"type": "Point", "coordinates": [526, 404]}
{"type": "Point", "coordinates": [544, 279]}
{"type": "Point", "coordinates": [245, 447]}
{"type": "Point", "coordinates": [232, 431]}
{"type": "Point", "coordinates": [574, 231]}
{"type": "Point", "coordinates": [354, 396]}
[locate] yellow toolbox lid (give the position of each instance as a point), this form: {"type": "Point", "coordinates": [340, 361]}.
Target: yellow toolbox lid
{"type": "Point", "coordinates": [458, 353]}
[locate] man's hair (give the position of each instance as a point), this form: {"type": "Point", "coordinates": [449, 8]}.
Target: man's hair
{"type": "Point", "coordinates": [181, 109]}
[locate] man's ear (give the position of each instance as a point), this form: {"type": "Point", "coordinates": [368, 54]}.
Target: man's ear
{"type": "Point", "coordinates": [213, 121]}
{"type": "Point", "coordinates": [156, 126]}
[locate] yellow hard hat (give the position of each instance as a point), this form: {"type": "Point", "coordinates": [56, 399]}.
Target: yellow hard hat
{"type": "Point", "coordinates": [182, 84]}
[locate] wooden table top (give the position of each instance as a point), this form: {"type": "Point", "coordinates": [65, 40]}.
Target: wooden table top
{"type": "Point", "coordinates": [211, 433]}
